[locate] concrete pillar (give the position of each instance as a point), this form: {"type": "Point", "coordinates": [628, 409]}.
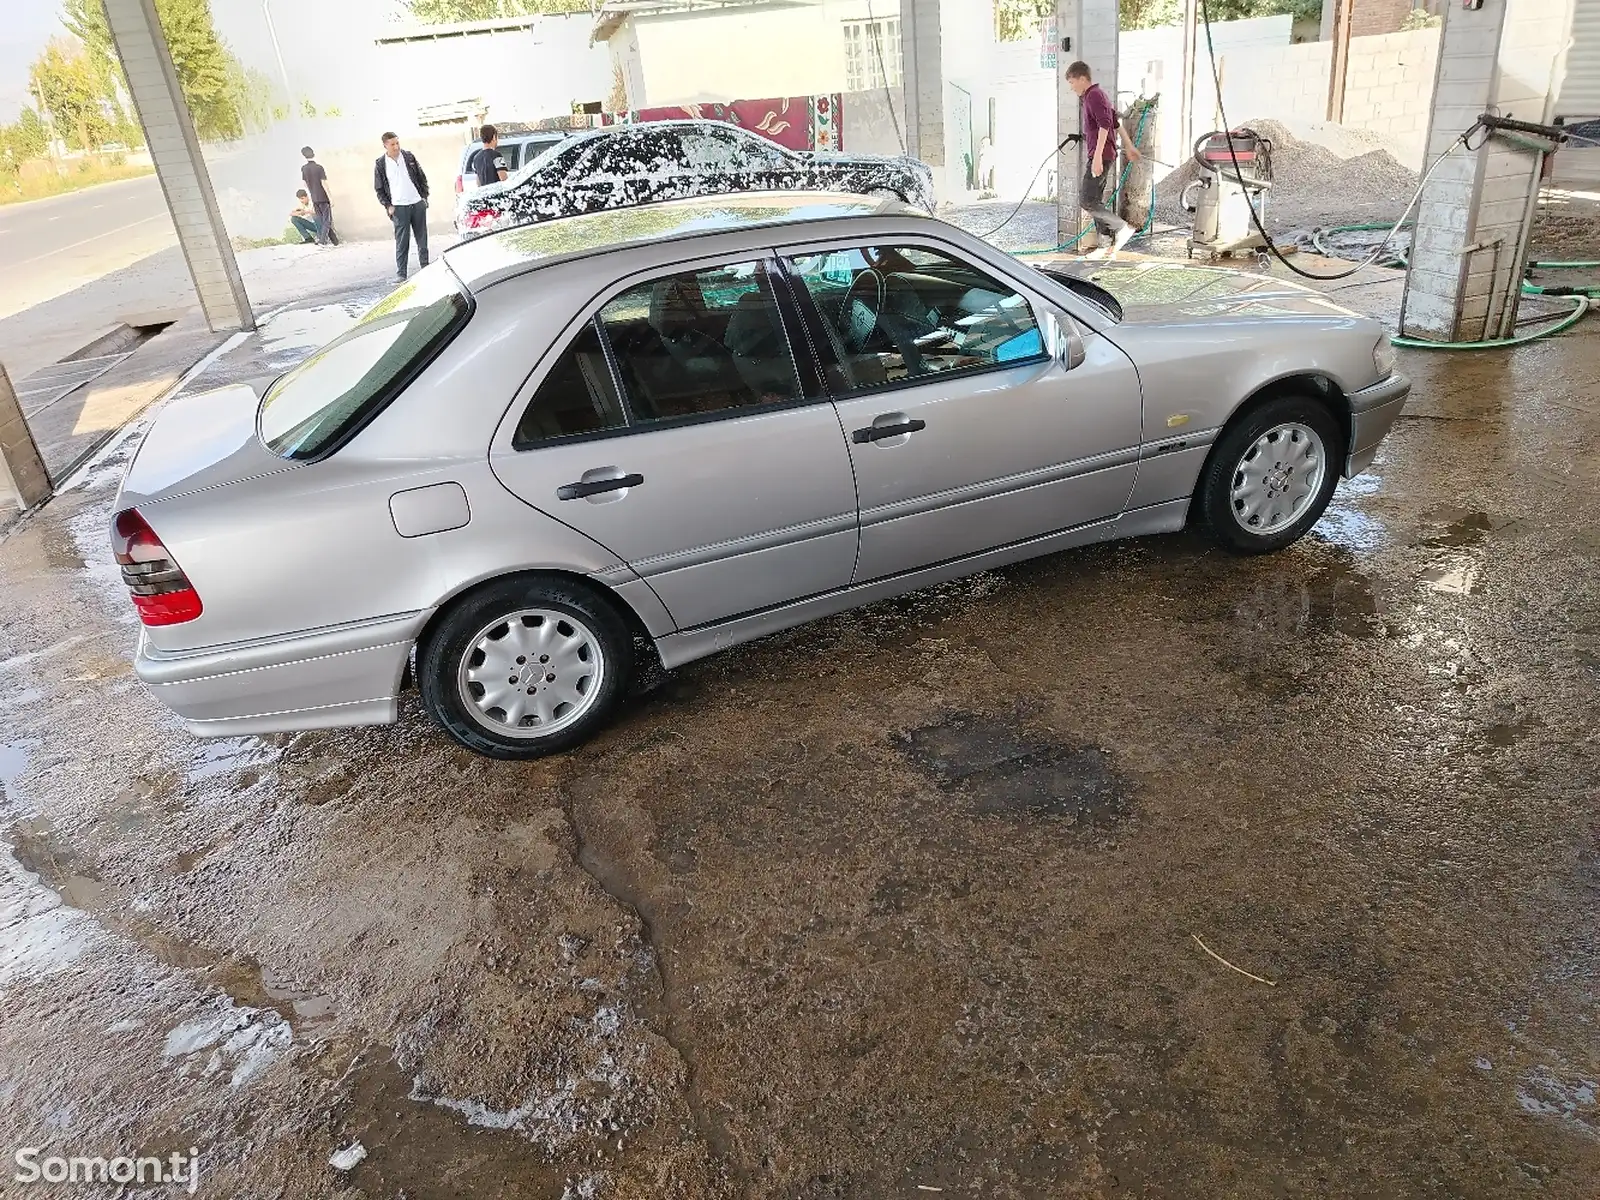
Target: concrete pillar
{"type": "Point", "coordinates": [1088, 32]}
{"type": "Point", "coordinates": [24, 481]}
{"type": "Point", "coordinates": [922, 73]}
{"type": "Point", "coordinates": [1470, 243]}
{"type": "Point", "coordinates": [169, 132]}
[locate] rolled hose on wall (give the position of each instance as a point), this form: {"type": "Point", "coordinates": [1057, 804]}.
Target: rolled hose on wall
{"type": "Point", "coordinates": [1150, 217]}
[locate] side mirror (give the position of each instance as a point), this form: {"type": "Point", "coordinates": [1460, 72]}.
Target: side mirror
{"type": "Point", "coordinates": [1063, 341]}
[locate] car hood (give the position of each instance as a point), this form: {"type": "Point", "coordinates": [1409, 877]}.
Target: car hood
{"type": "Point", "coordinates": [1170, 293]}
{"type": "Point", "coordinates": [199, 441]}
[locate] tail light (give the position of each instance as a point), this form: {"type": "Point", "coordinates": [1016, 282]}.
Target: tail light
{"type": "Point", "coordinates": [461, 185]}
{"type": "Point", "coordinates": [478, 218]}
{"type": "Point", "coordinates": [161, 591]}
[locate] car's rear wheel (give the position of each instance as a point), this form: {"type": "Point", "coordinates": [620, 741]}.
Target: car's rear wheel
{"type": "Point", "coordinates": [1271, 475]}
{"type": "Point", "coordinates": [525, 667]}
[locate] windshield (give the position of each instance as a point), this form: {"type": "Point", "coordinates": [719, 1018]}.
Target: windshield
{"type": "Point", "coordinates": [320, 404]}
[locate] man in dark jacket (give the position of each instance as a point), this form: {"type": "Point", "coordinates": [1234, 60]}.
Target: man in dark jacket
{"type": "Point", "coordinates": [402, 189]}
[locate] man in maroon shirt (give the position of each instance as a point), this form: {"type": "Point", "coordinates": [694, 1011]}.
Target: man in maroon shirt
{"type": "Point", "coordinates": [1101, 131]}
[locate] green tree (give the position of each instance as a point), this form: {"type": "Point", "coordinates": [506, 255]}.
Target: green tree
{"type": "Point", "coordinates": [1018, 20]}
{"type": "Point", "coordinates": [444, 12]}
{"type": "Point", "coordinates": [71, 88]}
{"type": "Point", "coordinates": [26, 137]}
{"type": "Point", "coordinates": [224, 98]}
{"type": "Point", "coordinates": [1147, 14]}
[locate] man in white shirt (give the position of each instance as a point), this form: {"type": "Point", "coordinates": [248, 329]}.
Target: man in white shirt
{"type": "Point", "coordinates": [402, 189]}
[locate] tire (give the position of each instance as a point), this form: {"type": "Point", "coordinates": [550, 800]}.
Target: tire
{"type": "Point", "coordinates": [1252, 505]}
{"type": "Point", "coordinates": [558, 628]}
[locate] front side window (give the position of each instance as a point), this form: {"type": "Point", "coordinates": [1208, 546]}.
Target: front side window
{"type": "Point", "coordinates": [329, 397]}
{"type": "Point", "coordinates": [896, 314]}
{"type": "Point", "coordinates": [701, 342]}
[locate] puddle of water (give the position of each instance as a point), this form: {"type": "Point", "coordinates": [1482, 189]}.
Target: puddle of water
{"type": "Point", "coordinates": [1574, 1099]}
{"type": "Point", "coordinates": [13, 762]}
{"type": "Point", "coordinates": [39, 935]}
{"type": "Point", "coordinates": [1351, 528]}
{"type": "Point", "coordinates": [1344, 523]}
{"type": "Point", "coordinates": [1007, 770]}
{"type": "Point", "coordinates": [242, 1042]}
{"type": "Point", "coordinates": [1454, 577]}
{"type": "Point", "coordinates": [35, 846]}
{"type": "Point", "coordinates": [1334, 599]}
{"type": "Point", "coordinates": [1463, 527]}
{"type": "Point", "coordinates": [225, 756]}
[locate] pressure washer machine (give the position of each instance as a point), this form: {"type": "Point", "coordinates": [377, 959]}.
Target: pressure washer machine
{"type": "Point", "coordinates": [1235, 177]}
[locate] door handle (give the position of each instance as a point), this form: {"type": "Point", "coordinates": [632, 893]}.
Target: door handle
{"type": "Point", "coordinates": [874, 433]}
{"type": "Point", "coordinates": [593, 487]}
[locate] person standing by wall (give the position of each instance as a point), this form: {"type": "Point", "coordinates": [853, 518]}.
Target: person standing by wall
{"type": "Point", "coordinates": [316, 181]}
{"type": "Point", "coordinates": [1101, 131]}
{"type": "Point", "coordinates": [488, 163]}
{"type": "Point", "coordinates": [402, 189]}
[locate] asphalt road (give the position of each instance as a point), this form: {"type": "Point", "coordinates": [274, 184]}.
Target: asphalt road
{"type": "Point", "coordinates": [902, 903]}
{"type": "Point", "coordinates": [48, 247]}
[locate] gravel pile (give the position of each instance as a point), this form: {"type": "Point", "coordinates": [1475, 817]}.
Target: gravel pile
{"type": "Point", "coordinates": [1313, 184]}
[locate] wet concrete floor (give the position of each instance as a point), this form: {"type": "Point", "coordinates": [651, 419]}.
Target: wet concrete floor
{"type": "Point", "coordinates": [928, 898]}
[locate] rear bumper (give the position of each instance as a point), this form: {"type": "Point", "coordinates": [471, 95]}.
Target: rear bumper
{"type": "Point", "coordinates": [1372, 411]}
{"type": "Point", "coordinates": [319, 679]}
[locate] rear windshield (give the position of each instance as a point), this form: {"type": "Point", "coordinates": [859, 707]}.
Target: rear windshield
{"type": "Point", "coordinates": [322, 403]}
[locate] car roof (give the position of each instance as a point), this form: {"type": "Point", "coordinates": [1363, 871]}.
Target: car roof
{"type": "Point", "coordinates": [483, 261]}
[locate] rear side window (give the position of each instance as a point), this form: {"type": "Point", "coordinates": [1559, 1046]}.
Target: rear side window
{"type": "Point", "coordinates": [577, 397]}
{"type": "Point", "coordinates": [315, 408]}
{"type": "Point", "coordinates": [701, 342]}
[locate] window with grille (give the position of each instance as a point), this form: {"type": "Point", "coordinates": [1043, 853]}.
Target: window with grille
{"type": "Point", "coordinates": [871, 49]}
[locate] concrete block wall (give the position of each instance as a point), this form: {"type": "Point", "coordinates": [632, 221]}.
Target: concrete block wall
{"type": "Point", "coordinates": [1469, 245]}
{"type": "Point", "coordinates": [1283, 82]}
{"type": "Point", "coordinates": [1389, 87]}
{"type": "Point", "coordinates": [922, 74]}
{"type": "Point", "coordinates": [1440, 302]}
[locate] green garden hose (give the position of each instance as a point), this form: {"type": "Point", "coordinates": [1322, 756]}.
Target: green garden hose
{"type": "Point", "coordinates": [1580, 306]}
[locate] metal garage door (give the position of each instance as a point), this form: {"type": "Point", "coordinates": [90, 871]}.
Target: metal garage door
{"type": "Point", "coordinates": [1580, 91]}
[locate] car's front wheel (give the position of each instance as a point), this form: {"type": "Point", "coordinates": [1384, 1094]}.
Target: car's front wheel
{"type": "Point", "coordinates": [525, 667]}
{"type": "Point", "coordinates": [1271, 475]}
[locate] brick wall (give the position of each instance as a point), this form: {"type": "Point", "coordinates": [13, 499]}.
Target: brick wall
{"type": "Point", "coordinates": [1388, 84]}
{"type": "Point", "coordinates": [1378, 16]}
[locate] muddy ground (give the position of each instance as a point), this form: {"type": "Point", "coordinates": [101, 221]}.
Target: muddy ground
{"type": "Point", "coordinates": [907, 902]}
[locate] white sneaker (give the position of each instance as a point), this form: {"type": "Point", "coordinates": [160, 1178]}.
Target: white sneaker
{"type": "Point", "coordinates": [1124, 236]}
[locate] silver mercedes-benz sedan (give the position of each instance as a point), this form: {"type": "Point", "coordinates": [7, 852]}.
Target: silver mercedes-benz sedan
{"type": "Point", "coordinates": [675, 428]}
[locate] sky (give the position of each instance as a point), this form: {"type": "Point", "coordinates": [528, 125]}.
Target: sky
{"type": "Point", "coordinates": [25, 27]}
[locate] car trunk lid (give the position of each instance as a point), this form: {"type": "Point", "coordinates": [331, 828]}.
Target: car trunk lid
{"type": "Point", "coordinates": [205, 440]}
